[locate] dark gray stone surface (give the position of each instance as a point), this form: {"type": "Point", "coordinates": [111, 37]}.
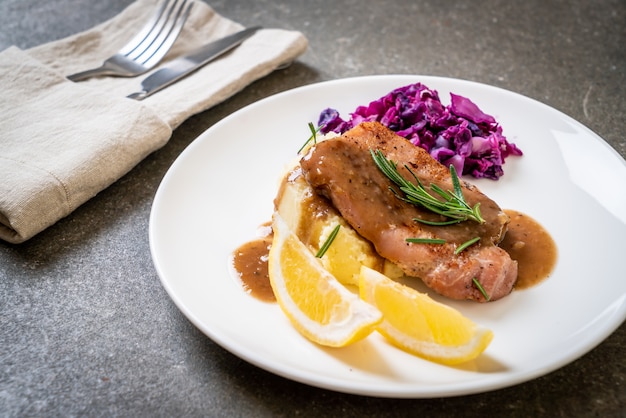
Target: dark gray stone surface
{"type": "Point", "coordinates": [86, 328]}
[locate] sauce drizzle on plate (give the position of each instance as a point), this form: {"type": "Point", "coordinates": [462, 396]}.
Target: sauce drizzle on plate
{"type": "Point", "coordinates": [531, 246]}
{"type": "Point", "coordinates": [250, 263]}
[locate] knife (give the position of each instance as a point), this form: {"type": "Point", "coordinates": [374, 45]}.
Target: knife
{"type": "Point", "coordinates": [183, 66]}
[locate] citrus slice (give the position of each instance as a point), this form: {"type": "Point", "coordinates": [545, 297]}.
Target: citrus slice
{"type": "Point", "coordinates": [318, 306]}
{"type": "Point", "coordinates": [420, 325]}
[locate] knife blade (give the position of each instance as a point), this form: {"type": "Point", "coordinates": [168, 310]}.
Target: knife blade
{"type": "Point", "coordinates": [183, 66]}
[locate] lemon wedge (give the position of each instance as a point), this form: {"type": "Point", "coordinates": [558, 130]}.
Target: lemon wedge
{"type": "Point", "coordinates": [420, 325]}
{"type": "Point", "coordinates": [318, 306]}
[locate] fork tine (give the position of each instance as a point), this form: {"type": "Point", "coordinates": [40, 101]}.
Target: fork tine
{"type": "Point", "coordinates": [169, 33]}
{"type": "Point", "coordinates": [146, 29]}
{"type": "Point", "coordinates": [157, 31]}
{"type": "Point", "coordinates": [171, 38]}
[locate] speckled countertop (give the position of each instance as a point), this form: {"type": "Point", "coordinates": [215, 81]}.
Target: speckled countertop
{"type": "Point", "coordinates": [86, 329]}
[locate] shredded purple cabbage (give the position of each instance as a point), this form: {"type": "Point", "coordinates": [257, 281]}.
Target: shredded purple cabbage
{"type": "Point", "coordinates": [459, 134]}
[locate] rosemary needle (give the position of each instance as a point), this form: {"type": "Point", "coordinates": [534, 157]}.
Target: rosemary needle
{"type": "Point", "coordinates": [313, 137]}
{"type": "Point", "coordinates": [466, 244]}
{"type": "Point", "coordinates": [479, 287]}
{"type": "Point", "coordinates": [329, 240]}
{"type": "Point", "coordinates": [426, 240]}
{"type": "Point", "coordinates": [459, 249]}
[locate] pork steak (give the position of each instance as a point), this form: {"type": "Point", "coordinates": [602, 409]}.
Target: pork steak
{"type": "Point", "coordinates": [342, 170]}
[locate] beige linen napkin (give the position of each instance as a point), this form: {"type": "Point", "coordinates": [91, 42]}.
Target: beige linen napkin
{"type": "Point", "coordinates": [63, 142]}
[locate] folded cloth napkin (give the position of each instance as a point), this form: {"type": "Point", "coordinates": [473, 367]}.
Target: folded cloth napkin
{"type": "Point", "coordinates": [62, 142]}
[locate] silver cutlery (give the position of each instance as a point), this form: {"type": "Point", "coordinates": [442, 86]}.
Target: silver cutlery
{"type": "Point", "coordinates": [148, 47]}
{"type": "Point", "coordinates": [183, 66]}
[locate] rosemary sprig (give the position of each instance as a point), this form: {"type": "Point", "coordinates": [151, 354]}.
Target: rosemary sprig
{"type": "Point", "coordinates": [449, 204]}
{"type": "Point", "coordinates": [480, 287]}
{"type": "Point", "coordinates": [329, 240]}
{"type": "Point", "coordinates": [313, 137]}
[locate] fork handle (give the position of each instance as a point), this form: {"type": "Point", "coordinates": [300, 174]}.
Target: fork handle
{"type": "Point", "coordinates": [83, 75]}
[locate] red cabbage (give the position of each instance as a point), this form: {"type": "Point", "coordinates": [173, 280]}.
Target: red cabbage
{"type": "Point", "coordinates": [459, 134]}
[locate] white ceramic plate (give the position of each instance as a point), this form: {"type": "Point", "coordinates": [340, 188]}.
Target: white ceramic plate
{"type": "Point", "coordinates": [221, 188]}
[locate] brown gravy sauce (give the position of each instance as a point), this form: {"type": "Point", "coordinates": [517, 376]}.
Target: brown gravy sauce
{"type": "Point", "coordinates": [531, 246]}
{"type": "Point", "coordinates": [526, 241]}
{"type": "Point", "coordinates": [250, 264]}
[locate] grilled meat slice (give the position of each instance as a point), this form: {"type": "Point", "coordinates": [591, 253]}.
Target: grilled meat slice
{"type": "Point", "coordinates": [342, 170]}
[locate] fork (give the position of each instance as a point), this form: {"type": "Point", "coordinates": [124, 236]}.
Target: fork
{"type": "Point", "coordinates": [148, 46]}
